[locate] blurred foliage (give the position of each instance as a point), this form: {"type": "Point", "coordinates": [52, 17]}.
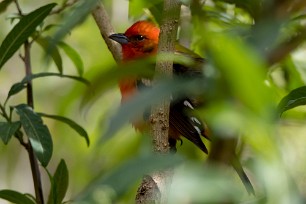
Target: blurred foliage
{"type": "Point", "coordinates": [256, 71]}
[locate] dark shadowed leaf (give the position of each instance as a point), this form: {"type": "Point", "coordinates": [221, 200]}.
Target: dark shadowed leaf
{"type": "Point", "coordinates": [74, 56]}
{"type": "Point", "coordinates": [60, 182]}
{"type": "Point", "coordinates": [16, 88]}
{"type": "Point", "coordinates": [15, 197]}
{"type": "Point", "coordinates": [129, 173]}
{"type": "Point", "coordinates": [37, 132]}
{"type": "Point", "coordinates": [296, 97]}
{"type": "Point", "coordinates": [21, 31]}
{"type": "Point", "coordinates": [69, 122]}
{"type": "Point", "coordinates": [7, 130]}
{"type": "Point", "coordinates": [4, 4]}
{"type": "Point", "coordinates": [45, 42]}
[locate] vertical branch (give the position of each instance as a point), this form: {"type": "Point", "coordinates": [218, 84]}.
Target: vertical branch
{"type": "Point", "coordinates": [167, 38]}
{"type": "Point", "coordinates": [152, 189]}
{"type": "Point", "coordinates": [30, 102]}
{"type": "Point", "coordinates": [160, 113]}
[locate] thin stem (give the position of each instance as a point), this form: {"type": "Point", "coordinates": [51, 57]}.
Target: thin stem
{"type": "Point", "coordinates": [4, 114]}
{"type": "Point", "coordinates": [18, 7]}
{"type": "Point", "coordinates": [63, 7]}
{"type": "Point", "coordinates": [30, 101]}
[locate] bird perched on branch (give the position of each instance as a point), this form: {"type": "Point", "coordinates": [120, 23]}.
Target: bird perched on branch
{"type": "Point", "coordinates": [141, 41]}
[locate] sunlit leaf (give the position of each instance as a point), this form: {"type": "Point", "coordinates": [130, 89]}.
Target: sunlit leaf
{"type": "Point", "coordinates": [292, 75]}
{"type": "Point", "coordinates": [37, 132]}
{"type": "Point", "coordinates": [136, 8]}
{"type": "Point", "coordinates": [296, 97]}
{"type": "Point", "coordinates": [128, 173]}
{"type": "Point", "coordinates": [21, 31]}
{"type": "Point", "coordinates": [15, 197]}
{"type": "Point", "coordinates": [243, 70]}
{"type": "Point", "coordinates": [59, 184]}
{"type": "Point", "coordinates": [74, 56]}
{"type": "Point", "coordinates": [7, 130]}
{"type": "Point", "coordinates": [45, 42]}
{"type": "Point", "coordinates": [69, 122]}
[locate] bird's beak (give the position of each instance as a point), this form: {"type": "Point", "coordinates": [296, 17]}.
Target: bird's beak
{"type": "Point", "coordinates": [120, 38]}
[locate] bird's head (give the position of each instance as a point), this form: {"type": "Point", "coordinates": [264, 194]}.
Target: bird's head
{"type": "Point", "coordinates": [138, 41]}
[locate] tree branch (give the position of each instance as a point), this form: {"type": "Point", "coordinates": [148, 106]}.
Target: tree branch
{"type": "Point", "coordinates": [103, 22]}
{"type": "Point", "coordinates": [160, 113]}
{"type": "Point", "coordinates": [167, 38]}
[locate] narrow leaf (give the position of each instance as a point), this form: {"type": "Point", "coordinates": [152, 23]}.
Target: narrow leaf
{"type": "Point", "coordinates": [21, 31]}
{"type": "Point", "coordinates": [16, 88]}
{"type": "Point", "coordinates": [74, 56]}
{"type": "Point", "coordinates": [7, 130]}
{"type": "Point", "coordinates": [45, 42]}
{"type": "Point", "coordinates": [69, 122]}
{"type": "Point", "coordinates": [60, 184]}
{"type": "Point", "coordinates": [78, 16]}
{"type": "Point", "coordinates": [15, 197]}
{"type": "Point", "coordinates": [37, 132]}
{"type": "Point", "coordinates": [296, 97]}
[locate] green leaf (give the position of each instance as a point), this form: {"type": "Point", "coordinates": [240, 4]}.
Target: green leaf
{"type": "Point", "coordinates": [59, 184]}
{"type": "Point", "coordinates": [78, 16]}
{"type": "Point", "coordinates": [16, 88]}
{"type": "Point", "coordinates": [45, 42]}
{"type": "Point", "coordinates": [127, 174]}
{"type": "Point", "coordinates": [243, 71]}
{"type": "Point", "coordinates": [69, 122]}
{"type": "Point", "coordinates": [15, 197]}
{"type": "Point", "coordinates": [21, 31]}
{"type": "Point", "coordinates": [37, 132]}
{"type": "Point", "coordinates": [296, 97]}
{"type": "Point", "coordinates": [137, 7]}
{"type": "Point", "coordinates": [4, 4]}
{"type": "Point", "coordinates": [74, 56]}
{"type": "Point", "coordinates": [8, 129]}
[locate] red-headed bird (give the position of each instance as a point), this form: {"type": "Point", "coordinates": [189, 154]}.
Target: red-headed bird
{"type": "Point", "coordinates": [140, 41]}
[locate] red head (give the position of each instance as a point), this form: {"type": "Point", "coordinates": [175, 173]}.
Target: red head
{"type": "Point", "coordinates": [138, 41]}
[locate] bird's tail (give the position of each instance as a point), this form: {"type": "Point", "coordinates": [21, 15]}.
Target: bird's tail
{"type": "Point", "coordinates": [244, 178]}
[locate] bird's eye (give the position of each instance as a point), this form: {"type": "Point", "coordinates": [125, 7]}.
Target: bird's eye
{"type": "Point", "coordinates": [139, 37]}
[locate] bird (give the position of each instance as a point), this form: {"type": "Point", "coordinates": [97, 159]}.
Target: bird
{"type": "Point", "coordinates": [140, 41]}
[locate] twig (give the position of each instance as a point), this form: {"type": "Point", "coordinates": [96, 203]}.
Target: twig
{"type": "Point", "coordinates": [102, 20]}
{"type": "Point", "coordinates": [18, 7]}
{"type": "Point", "coordinates": [63, 7]}
{"type": "Point", "coordinates": [30, 102]}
